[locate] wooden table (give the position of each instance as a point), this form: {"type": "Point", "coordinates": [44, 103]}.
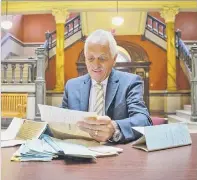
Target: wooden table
{"type": "Point", "coordinates": [132, 164]}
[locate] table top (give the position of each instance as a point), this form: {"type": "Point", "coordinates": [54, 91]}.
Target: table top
{"type": "Point", "coordinates": [171, 164]}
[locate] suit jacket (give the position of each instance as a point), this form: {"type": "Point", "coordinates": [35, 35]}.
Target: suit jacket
{"type": "Point", "coordinates": [123, 103]}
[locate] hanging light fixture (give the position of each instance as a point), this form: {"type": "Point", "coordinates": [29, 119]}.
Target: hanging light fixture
{"type": "Point", "coordinates": [117, 20]}
{"type": "Point", "coordinates": [6, 24]}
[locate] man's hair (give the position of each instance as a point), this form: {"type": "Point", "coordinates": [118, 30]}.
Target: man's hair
{"type": "Point", "coordinates": [102, 37]}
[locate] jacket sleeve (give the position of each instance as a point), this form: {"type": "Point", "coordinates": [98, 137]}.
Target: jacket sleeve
{"type": "Point", "coordinates": [137, 111]}
{"type": "Point", "coordinates": [65, 97]}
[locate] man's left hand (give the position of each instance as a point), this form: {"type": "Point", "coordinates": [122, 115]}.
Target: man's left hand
{"type": "Point", "coordinates": [101, 128]}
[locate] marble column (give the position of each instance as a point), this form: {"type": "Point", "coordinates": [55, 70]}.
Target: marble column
{"type": "Point", "coordinates": [60, 18]}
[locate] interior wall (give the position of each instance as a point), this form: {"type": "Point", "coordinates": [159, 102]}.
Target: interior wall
{"type": "Point", "coordinates": [35, 26]}
{"type": "Point", "coordinates": [17, 27]}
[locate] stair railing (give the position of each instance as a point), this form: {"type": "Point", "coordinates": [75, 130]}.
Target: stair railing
{"type": "Point", "coordinates": [155, 26]}
{"type": "Point", "coordinates": [184, 53]}
{"type": "Point", "coordinates": [159, 29]}
{"type": "Point", "coordinates": [71, 27]}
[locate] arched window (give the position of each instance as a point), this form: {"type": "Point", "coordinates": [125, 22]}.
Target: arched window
{"type": "Point", "coordinates": [123, 55]}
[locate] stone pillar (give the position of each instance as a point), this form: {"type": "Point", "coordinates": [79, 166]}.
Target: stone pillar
{"type": "Point", "coordinates": [169, 13]}
{"type": "Point", "coordinates": [60, 18]}
{"type": "Point", "coordinates": [40, 82]}
{"type": "Point", "coordinates": [194, 84]}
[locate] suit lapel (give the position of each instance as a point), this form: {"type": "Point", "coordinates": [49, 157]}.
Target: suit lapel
{"type": "Point", "coordinates": [112, 87]}
{"type": "Point", "coordinates": [85, 93]}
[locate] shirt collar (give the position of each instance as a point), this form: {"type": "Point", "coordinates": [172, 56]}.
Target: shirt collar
{"type": "Point", "coordinates": [103, 82]}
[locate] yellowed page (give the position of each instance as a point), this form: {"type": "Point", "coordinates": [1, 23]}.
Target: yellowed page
{"type": "Point", "coordinates": [140, 144]}
{"type": "Point", "coordinates": [67, 131]}
{"type": "Point", "coordinates": [31, 129]}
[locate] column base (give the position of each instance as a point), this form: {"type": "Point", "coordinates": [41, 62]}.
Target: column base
{"type": "Point", "coordinates": [172, 89]}
{"type": "Point", "coordinates": [172, 102]}
{"type": "Point", "coordinates": [58, 90]}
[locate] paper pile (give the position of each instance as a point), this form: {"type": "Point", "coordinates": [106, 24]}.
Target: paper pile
{"type": "Point", "coordinates": [47, 148]}
{"type": "Point", "coordinates": [21, 130]}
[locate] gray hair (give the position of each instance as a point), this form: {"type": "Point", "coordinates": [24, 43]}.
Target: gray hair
{"type": "Point", "coordinates": [102, 37]}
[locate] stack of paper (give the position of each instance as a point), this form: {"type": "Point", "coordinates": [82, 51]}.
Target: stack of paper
{"type": "Point", "coordinates": [47, 148]}
{"type": "Point", "coordinates": [34, 150]}
{"type": "Point", "coordinates": [21, 130]}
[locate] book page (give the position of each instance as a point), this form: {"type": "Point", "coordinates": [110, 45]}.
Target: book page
{"type": "Point", "coordinates": [163, 136]}
{"type": "Point", "coordinates": [84, 142]}
{"type": "Point", "coordinates": [11, 132]}
{"type": "Point", "coordinates": [56, 114]}
{"type": "Point", "coordinates": [141, 140]}
{"type": "Point", "coordinates": [92, 148]}
{"type": "Point", "coordinates": [140, 144]}
{"type": "Point", "coordinates": [31, 129]}
{"type": "Point", "coordinates": [11, 143]}
{"type": "Point", "coordinates": [139, 129]}
{"type": "Point", "coordinates": [68, 131]}
{"type": "Point", "coordinates": [167, 136]}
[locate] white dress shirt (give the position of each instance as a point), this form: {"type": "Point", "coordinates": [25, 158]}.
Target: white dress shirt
{"type": "Point", "coordinates": [92, 98]}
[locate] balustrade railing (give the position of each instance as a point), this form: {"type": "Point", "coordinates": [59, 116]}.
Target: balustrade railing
{"type": "Point", "coordinates": [13, 71]}
{"type": "Point", "coordinates": [71, 27]}
{"type": "Point", "coordinates": [155, 26]}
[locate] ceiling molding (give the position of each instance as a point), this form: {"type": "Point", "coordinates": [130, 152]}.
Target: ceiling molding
{"type": "Point", "coordinates": [41, 7]}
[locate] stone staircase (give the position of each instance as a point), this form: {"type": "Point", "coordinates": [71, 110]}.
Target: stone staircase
{"type": "Point", "coordinates": [184, 117]}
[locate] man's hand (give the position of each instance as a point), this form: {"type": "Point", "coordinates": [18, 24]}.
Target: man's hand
{"type": "Point", "coordinates": [101, 129]}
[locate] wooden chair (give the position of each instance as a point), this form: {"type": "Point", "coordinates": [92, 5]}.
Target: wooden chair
{"type": "Point", "coordinates": [13, 105]}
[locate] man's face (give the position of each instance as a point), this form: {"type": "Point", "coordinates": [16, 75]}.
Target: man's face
{"type": "Point", "coordinates": [99, 61]}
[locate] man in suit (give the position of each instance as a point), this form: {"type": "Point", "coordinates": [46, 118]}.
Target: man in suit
{"type": "Point", "coordinates": [116, 96]}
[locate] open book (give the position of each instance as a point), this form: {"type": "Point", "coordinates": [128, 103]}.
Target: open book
{"type": "Point", "coordinates": [63, 122]}
{"type": "Point", "coordinates": [162, 136]}
{"type": "Point", "coordinates": [21, 130]}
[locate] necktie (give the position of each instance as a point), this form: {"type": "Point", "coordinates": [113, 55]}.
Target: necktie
{"type": "Point", "coordinates": [99, 104]}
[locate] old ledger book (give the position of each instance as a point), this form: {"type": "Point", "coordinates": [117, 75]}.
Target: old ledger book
{"type": "Point", "coordinates": [162, 137]}
{"type": "Point", "coordinates": [21, 130]}
{"type": "Point", "coordinates": [63, 122]}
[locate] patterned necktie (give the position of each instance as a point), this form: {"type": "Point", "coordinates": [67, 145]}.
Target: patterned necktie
{"type": "Point", "coordinates": [99, 104]}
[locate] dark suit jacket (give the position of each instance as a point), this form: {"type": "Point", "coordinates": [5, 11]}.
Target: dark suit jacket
{"type": "Point", "coordinates": [123, 104]}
